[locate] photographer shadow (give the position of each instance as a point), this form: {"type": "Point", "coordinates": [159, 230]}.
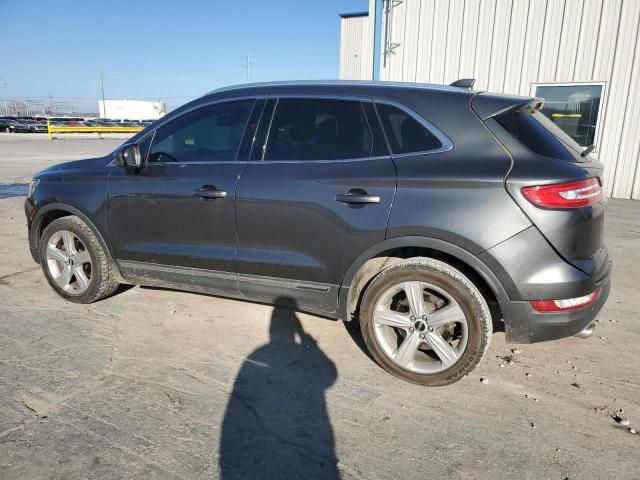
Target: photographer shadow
{"type": "Point", "coordinates": [276, 424]}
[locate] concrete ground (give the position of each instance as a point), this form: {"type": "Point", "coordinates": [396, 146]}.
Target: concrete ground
{"type": "Point", "coordinates": [154, 383]}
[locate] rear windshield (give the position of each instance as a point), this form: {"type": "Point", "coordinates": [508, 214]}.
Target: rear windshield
{"type": "Point", "coordinates": [539, 134]}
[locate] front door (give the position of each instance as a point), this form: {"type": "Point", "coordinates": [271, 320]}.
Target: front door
{"type": "Point", "coordinates": [318, 197]}
{"type": "Point", "coordinates": [176, 216]}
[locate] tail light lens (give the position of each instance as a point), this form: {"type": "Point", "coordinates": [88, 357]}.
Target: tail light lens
{"type": "Point", "coordinates": [566, 305]}
{"type": "Point", "coordinates": [565, 195]}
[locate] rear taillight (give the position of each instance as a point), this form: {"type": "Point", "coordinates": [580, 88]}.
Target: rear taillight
{"type": "Point", "coordinates": [565, 195]}
{"type": "Point", "coordinates": [565, 305]}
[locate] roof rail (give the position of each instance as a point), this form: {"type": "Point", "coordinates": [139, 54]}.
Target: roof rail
{"type": "Point", "coordinates": [464, 83]}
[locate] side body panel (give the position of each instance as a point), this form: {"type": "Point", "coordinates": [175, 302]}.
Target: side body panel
{"type": "Point", "coordinates": [79, 187]}
{"type": "Point", "coordinates": [290, 225]}
{"type": "Point", "coordinates": [457, 196]}
{"type": "Point", "coordinates": [154, 216]}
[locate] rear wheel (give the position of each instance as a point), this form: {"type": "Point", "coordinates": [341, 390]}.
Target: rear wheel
{"type": "Point", "coordinates": [74, 262]}
{"type": "Point", "coordinates": [425, 322]}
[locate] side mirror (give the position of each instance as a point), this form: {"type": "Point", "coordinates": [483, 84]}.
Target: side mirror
{"type": "Point", "coordinates": [129, 157]}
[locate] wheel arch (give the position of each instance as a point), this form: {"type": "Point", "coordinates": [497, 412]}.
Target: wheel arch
{"type": "Point", "coordinates": [393, 250]}
{"type": "Point", "coordinates": [53, 211]}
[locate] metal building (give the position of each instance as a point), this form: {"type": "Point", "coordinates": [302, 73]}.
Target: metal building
{"type": "Point", "coordinates": [582, 56]}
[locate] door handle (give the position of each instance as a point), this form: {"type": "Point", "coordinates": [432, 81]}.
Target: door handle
{"type": "Point", "coordinates": [357, 196]}
{"type": "Point", "coordinates": [209, 191]}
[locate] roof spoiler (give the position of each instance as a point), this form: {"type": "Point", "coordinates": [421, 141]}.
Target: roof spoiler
{"type": "Point", "coordinates": [487, 105]}
{"type": "Point", "coordinates": [464, 83]}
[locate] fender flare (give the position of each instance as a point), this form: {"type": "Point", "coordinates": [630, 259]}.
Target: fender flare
{"type": "Point", "coordinates": [35, 225]}
{"type": "Point", "coordinates": [421, 242]}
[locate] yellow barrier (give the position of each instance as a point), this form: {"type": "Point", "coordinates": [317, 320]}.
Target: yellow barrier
{"type": "Point", "coordinates": [98, 130]}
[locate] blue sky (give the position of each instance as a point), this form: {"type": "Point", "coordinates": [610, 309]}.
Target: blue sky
{"type": "Point", "coordinates": [167, 50]}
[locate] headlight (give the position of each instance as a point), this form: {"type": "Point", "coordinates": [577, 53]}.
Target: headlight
{"type": "Point", "coordinates": [32, 187]}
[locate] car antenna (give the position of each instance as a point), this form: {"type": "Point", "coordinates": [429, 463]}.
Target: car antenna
{"type": "Point", "coordinates": [464, 83]}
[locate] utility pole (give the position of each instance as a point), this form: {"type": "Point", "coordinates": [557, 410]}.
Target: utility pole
{"type": "Point", "coordinates": [50, 97]}
{"type": "Point", "coordinates": [104, 105]}
{"type": "Point", "coordinates": [248, 66]}
{"type": "Point", "coordinates": [4, 96]}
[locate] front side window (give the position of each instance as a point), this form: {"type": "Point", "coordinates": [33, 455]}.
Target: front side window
{"type": "Point", "coordinates": [210, 134]}
{"type": "Point", "coordinates": [404, 133]}
{"type": "Point", "coordinates": [575, 109]}
{"type": "Point", "coordinates": [318, 129]}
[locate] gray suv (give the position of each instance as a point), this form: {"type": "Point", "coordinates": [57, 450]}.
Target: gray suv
{"type": "Point", "coordinates": [432, 215]}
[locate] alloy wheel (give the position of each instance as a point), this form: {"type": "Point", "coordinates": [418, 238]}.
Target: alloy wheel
{"type": "Point", "coordinates": [69, 262]}
{"type": "Point", "coordinates": [420, 327]}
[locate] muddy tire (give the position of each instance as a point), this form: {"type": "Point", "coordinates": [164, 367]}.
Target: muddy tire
{"type": "Point", "coordinates": [74, 262]}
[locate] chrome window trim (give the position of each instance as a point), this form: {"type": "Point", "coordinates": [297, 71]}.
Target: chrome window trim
{"type": "Point", "coordinates": [447, 144]}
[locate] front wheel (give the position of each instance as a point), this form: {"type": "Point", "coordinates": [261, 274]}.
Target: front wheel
{"type": "Point", "coordinates": [425, 322]}
{"type": "Point", "coordinates": [74, 262]}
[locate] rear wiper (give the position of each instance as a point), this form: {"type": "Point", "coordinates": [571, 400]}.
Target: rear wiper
{"type": "Point", "coordinates": [587, 150]}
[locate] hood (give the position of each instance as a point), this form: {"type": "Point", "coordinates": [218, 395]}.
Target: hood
{"type": "Point", "coordinates": [76, 165]}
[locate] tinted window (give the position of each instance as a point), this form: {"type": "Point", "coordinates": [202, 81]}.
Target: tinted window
{"type": "Point", "coordinates": [404, 133]}
{"type": "Point", "coordinates": [535, 131]}
{"type": "Point", "coordinates": [207, 135]}
{"type": "Point", "coordinates": [318, 129]}
{"type": "Point", "coordinates": [379, 147]}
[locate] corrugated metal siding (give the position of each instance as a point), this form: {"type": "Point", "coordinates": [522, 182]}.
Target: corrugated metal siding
{"type": "Point", "coordinates": [509, 45]}
{"type": "Point", "coordinates": [356, 48]}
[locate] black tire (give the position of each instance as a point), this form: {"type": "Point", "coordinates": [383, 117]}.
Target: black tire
{"type": "Point", "coordinates": [459, 288]}
{"type": "Point", "coordinates": [102, 281]}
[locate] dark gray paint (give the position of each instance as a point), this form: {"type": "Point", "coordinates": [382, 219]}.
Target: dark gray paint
{"type": "Point", "coordinates": [280, 229]}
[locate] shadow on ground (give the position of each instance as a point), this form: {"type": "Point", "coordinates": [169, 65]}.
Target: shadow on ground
{"type": "Point", "coordinates": [276, 424]}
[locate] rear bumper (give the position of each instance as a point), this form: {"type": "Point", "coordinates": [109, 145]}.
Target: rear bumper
{"type": "Point", "coordinates": [523, 324]}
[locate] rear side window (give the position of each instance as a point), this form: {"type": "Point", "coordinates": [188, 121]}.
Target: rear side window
{"type": "Point", "coordinates": [537, 133]}
{"type": "Point", "coordinates": [318, 129]}
{"type": "Point", "coordinates": [404, 133]}
{"type": "Point", "coordinates": [210, 134]}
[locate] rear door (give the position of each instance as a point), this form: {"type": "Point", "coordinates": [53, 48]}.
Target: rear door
{"type": "Point", "coordinates": [317, 194]}
{"type": "Point", "coordinates": [177, 213]}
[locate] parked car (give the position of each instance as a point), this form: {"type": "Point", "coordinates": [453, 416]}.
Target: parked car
{"type": "Point", "coordinates": [34, 126]}
{"type": "Point", "coordinates": [8, 125]}
{"type": "Point", "coordinates": [431, 215]}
